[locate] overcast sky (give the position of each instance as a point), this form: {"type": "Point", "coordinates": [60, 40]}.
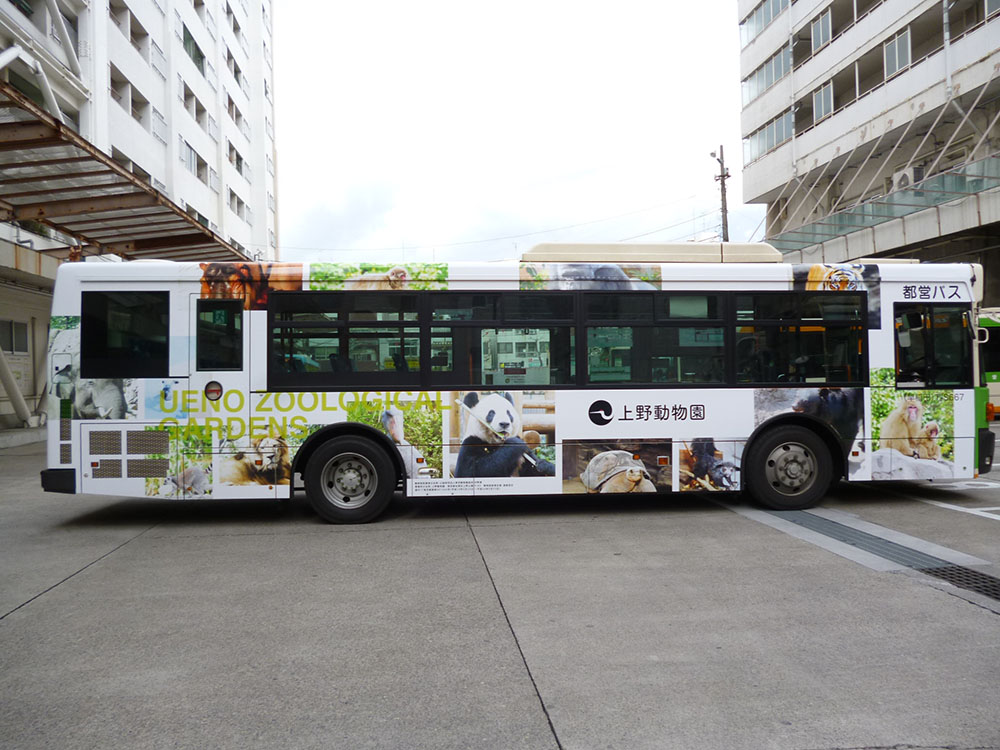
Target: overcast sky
{"type": "Point", "coordinates": [439, 130]}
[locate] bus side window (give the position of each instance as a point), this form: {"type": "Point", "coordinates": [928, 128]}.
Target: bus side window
{"type": "Point", "coordinates": [220, 334]}
{"type": "Point", "coordinates": [933, 345]}
{"type": "Point", "coordinates": [124, 334]}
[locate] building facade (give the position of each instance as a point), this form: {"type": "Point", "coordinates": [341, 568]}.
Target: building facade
{"type": "Point", "coordinates": [870, 128]}
{"type": "Point", "coordinates": [178, 91]}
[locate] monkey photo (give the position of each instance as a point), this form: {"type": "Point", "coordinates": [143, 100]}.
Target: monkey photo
{"type": "Point", "coordinates": [903, 426]}
{"type": "Point", "coordinates": [926, 444]}
{"type": "Point", "coordinates": [392, 280]}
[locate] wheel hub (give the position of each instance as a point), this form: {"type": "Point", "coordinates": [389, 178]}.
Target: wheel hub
{"type": "Point", "coordinates": [790, 468]}
{"type": "Point", "coordinates": [350, 478]}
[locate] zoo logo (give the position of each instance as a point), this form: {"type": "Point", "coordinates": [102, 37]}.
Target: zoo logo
{"type": "Point", "coordinates": [600, 413]}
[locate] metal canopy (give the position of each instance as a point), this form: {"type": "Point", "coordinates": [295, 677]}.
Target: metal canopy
{"type": "Point", "coordinates": [49, 174]}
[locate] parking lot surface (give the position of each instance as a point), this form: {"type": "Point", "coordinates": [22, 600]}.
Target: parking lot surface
{"type": "Point", "coordinates": [583, 622]}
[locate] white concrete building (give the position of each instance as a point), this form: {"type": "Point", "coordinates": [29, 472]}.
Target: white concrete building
{"type": "Point", "coordinates": [870, 127]}
{"type": "Point", "coordinates": [179, 91]}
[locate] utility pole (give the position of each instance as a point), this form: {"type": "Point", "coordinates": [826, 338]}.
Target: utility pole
{"type": "Point", "coordinates": [722, 177]}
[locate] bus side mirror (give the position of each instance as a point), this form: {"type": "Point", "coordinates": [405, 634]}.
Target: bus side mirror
{"type": "Point", "coordinates": [982, 335]}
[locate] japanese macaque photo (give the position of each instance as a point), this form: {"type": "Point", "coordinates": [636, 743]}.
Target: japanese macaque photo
{"type": "Point", "coordinates": [926, 445]}
{"type": "Point", "coordinates": [902, 426]}
{"type": "Point", "coordinates": [393, 279]}
{"type": "Point", "coordinates": [904, 430]}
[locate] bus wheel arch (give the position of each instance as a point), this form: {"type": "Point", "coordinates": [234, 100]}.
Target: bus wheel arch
{"type": "Point", "coordinates": [329, 432]}
{"type": "Point", "coordinates": [350, 478]}
{"type": "Point", "coordinates": [790, 464]}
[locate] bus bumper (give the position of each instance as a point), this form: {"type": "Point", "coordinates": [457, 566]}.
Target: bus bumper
{"type": "Point", "coordinates": [64, 480]}
{"type": "Point", "coordinates": [986, 444]}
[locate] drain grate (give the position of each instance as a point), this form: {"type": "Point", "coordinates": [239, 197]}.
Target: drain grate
{"type": "Point", "coordinates": [967, 578]}
{"type": "Point", "coordinates": [956, 575]}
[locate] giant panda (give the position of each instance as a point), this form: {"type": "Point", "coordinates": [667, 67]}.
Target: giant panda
{"type": "Point", "coordinates": [491, 446]}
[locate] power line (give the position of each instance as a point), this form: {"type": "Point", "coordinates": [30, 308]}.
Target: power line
{"type": "Point", "coordinates": [493, 239]}
{"type": "Point", "coordinates": [672, 226]}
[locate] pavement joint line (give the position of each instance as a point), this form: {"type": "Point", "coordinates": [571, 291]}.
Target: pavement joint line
{"type": "Point", "coordinates": [891, 535]}
{"type": "Point", "coordinates": [842, 549]}
{"type": "Point", "coordinates": [75, 573]}
{"type": "Point", "coordinates": [517, 642]}
{"type": "Point", "coordinates": [981, 512]}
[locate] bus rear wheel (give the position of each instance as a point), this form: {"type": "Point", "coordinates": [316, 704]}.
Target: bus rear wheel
{"type": "Point", "coordinates": [788, 468]}
{"type": "Point", "coordinates": [349, 480]}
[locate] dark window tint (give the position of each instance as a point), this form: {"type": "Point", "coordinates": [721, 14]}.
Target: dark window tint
{"type": "Point", "coordinates": [646, 354]}
{"type": "Point", "coordinates": [220, 334]}
{"type": "Point", "coordinates": [124, 335]}
{"type": "Point", "coordinates": [537, 306]}
{"type": "Point", "coordinates": [503, 356]}
{"type": "Point", "coordinates": [799, 354]}
{"type": "Point", "coordinates": [689, 306]}
{"type": "Point", "coordinates": [380, 307]}
{"type": "Point", "coordinates": [464, 306]}
{"type": "Point", "coordinates": [933, 345]}
{"type": "Point", "coordinates": [630, 307]}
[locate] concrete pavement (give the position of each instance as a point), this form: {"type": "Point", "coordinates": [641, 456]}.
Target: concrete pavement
{"type": "Point", "coordinates": [589, 622]}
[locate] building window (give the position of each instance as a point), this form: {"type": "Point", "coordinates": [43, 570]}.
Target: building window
{"type": "Point", "coordinates": [194, 163]}
{"type": "Point", "coordinates": [897, 53]}
{"type": "Point", "coordinates": [768, 138]}
{"type": "Point", "coordinates": [759, 18]}
{"type": "Point", "coordinates": [822, 30]}
{"type": "Point", "coordinates": [13, 337]}
{"type": "Point", "coordinates": [823, 101]}
{"type": "Point", "coordinates": [992, 6]}
{"type": "Point", "coordinates": [767, 74]}
{"type": "Point", "coordinates": [194, 51]}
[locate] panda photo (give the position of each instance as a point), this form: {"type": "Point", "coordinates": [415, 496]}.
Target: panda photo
{"type": "Point", "coordinates": [491, 446]}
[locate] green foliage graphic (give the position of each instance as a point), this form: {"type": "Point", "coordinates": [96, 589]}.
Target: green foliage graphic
{"type": "Point", "coordinates": [64, 322]}
{"type": "Point", "coordinates": [331, 276]}
{"type": "Point", "coordinates": [422, 428]}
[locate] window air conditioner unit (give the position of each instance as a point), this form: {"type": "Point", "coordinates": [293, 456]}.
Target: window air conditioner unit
{"type": "Point", "coordinates": [907, 178]}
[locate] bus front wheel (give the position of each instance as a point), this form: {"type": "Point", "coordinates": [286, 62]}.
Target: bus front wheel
{"type": "Point", "coordinates": [349, 480]}
{"type": "Point", "coordinates": [788, 468]}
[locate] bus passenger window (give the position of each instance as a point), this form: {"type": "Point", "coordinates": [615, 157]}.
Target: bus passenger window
{"type": "Point", "coordinates": [124, 334]}
{"type": "Point", "coordinates": [933, 345]}
{"type": "Point", "coordinates": [220, 334]}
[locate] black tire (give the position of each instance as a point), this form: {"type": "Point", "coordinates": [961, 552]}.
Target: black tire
{"type": "Point", "coordinates": [350, 480]}
{"type": "Point", "coordinates": [788, 468]}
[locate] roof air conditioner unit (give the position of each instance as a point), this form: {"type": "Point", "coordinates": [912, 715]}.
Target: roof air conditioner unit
{"type": "Point", "coordinates": [907, 178]}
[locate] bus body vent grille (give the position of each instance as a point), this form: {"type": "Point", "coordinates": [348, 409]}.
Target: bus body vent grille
{"type": "Point", "coordinates": [65, 429]}
{"type": "Point", "coordinates": [105, 442]}
{"type": "Point", "coordinates": [148, 467]}
{"type": "Point", "coordinates": [141, 442]}
{"type": "Point", "coordinates": [108, 469]}
{"type": "Point", "coordinates": [66, 454]}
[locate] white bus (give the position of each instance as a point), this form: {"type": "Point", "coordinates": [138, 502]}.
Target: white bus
{"type": "Point", "coordinates": [576, 369]}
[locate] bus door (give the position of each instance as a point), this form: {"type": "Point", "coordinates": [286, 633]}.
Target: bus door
{"type": "Point", "coordinates": [931, 422]}
{"type": "Point", "coordinates": [216, 444]}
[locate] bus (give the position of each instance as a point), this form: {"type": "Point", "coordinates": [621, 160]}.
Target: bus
{"type": "Point", "coordinates": [575, 369]}
{"type": "Point", "coordinates": [989, 353]}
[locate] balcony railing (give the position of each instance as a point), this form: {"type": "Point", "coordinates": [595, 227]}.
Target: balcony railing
{"type": "Point", "coordinates": [954, 184]}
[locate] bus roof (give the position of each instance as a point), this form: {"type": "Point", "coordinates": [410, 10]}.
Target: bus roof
{"type": "Point", "coordinates": [688, 252]}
